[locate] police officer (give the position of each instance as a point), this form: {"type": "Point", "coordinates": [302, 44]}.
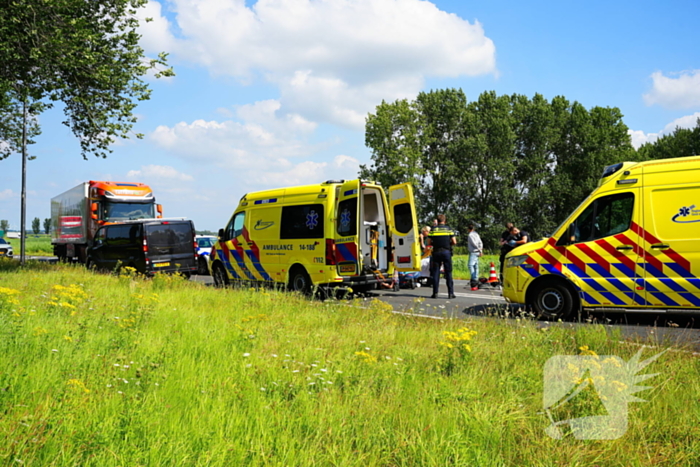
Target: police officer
{"type": "Point", "coordinates": [442, 239]}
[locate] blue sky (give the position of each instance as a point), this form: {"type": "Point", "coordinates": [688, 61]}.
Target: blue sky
{"type": "Point", "coordinates": [274, 93]}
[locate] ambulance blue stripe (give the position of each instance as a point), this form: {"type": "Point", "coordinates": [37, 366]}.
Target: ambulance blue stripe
{"type": "Point", "coordinates": [588, 299]}
{"type": "Point", "coordinates": [350, 192]}
{"type": "Point", "coordinates": [551, 269]}
{"type": "Point", "coordinates": [595, 285]}
{"type": "Point", "coordinates": [640, 300]}
{"type": "Point", "coordinates": [599, 269]}
{"type": "Point", "coordinates": [532, 271]}
{"type": "Point", "coordinates": [576, 270]}
{"type": "Point", "coordinates": [665, 299]}
{"type": "Point", "coordinates": [258, 266]}
{"type": "Point", "coordinates": [694, 282]}
{"type": "Point", "coordinates": [227, 264]}
{"type": "Point", "coordinates": [241, 264]}
{"type": "Point", "coordinates": [653, 271]}
{"type": "Point", "coordinates": [692, 298]}
{"type": "Point", "coordinates": [345, 252]}
{"type": "Point", "coordinates": [673, 285]}
{"type": "Point", "coordinates": [613, 298]}
{"type": "Point", "coordinates": [619, 285]}
{"type": "Point", "coordinates": [679, 270]}
{"type": "Point", "coordinates": [624, 269]}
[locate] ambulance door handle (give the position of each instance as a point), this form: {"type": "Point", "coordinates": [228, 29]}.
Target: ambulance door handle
{"type": "Point", "coordinates": [661, 246]}
{"type": "Point", "coordinates": [624, 247]}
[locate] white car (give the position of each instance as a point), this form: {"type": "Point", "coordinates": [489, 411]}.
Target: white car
{"type": "Point", "coordinates": [204, 246]}
{"type": "Point", "coordinates": [5, 248]}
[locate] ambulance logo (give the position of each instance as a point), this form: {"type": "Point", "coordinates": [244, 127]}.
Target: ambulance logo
{"type": "Point", "coordinates": [345, 219]}
{"type": "Point", "coordinates": [312, 219]}
{"type": "Point", "coordinates": [686, 215]}
{"type": "Point", "coordinates": [587, 395]}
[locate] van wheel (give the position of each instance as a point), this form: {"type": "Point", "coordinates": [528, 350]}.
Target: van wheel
{"type": "Point", "coordinates": [299, 281]}
{"type": "Point", "coordinates": [202, 268]}
{"type": "Point", "coordinates": [90, 265]}
{"type": "Point", "coordinates": [552, 302]}
{"type": "Point", "coordinates": [220, 277]}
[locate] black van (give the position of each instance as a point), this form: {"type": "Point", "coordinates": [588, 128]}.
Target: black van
{"type": "Point", "coordinates": [147, 245]}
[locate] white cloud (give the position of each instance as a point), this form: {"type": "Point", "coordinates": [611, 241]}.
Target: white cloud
{"type": "Point", "coordinates": [7, 194]}
{"type": "Point", "coordinates": [159, 172]}
{"type": "Point", "coordinates": [681, 92]}
{"type": "Point", "coordinates": [332, 59]}
{"type": "Point", "coordinates": [639, 137]}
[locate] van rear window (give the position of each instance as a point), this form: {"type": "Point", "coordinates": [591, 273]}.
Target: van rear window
{"type": "Point", "coordinates": [179, 237]}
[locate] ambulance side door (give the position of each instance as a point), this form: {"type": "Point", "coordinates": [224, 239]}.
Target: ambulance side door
{"type": "Point", "coordinates": [672, 239]}
{"type": "Point", "coordinates": [404, 228]}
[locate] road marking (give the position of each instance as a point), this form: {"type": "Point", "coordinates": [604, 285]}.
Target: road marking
{"type": "Point", "coordinates": [483, 297]}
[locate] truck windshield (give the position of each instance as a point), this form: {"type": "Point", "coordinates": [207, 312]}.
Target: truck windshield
{"type": "Point", "coordinates": [126, 211]}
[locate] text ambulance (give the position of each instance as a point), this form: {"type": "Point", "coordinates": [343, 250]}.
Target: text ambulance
{"type": "Point", "coordinates": [337, 233]}
{"type": "Point", "coordinates": [632, 245]}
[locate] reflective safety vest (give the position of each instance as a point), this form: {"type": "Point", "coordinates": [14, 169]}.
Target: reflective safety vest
{"type": "Point", "coordinates": [440, 237]}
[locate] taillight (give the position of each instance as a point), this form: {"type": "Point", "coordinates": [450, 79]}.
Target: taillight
{"type": "Point", "coordinates": [194, 245]}
{"type": "Point", "coordinates": [330, 252]}
{"type": "Point", "coordinates": [404, 259]}
{"type": "Point", "coordinates": [145, 246]}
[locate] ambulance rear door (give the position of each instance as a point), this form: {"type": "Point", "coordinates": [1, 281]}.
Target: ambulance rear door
{"type": "Point", "coordinates": [404, 228]}
{"type": "Point", "coordinates": [347, 214]}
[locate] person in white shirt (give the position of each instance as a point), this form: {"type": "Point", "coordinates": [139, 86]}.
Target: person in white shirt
{"type": "Point", "coordinates": [476, 249]}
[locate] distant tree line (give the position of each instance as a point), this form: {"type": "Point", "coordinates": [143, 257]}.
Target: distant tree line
{"type": "Point", "coordinates": [502, 158]}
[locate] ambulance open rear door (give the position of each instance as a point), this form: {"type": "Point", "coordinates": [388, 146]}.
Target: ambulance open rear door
{"type": "Point", "coordinates": [404, 228]}
{"type": "Point", "coordinates": [346, 228]}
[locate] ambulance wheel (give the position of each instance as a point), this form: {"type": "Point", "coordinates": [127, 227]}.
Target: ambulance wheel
{"type": "Point", "coordinates": [552, 301]}
{"type": "Point", "coordinates": [220, 277]}
{"type": "Point", "coordinates": [299, 280]}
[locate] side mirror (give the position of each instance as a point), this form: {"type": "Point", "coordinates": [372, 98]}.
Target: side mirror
{"type": "Point", "coordinates": [221, 234]}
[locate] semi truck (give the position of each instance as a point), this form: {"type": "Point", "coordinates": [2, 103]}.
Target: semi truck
{"type": "Point", "coordinates": [77, 213]}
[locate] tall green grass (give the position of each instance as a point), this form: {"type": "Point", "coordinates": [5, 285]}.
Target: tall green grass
{"type": "Point", "coordinates": [35, 245]}
{"type": "Point", "coordinates": [104, 370]}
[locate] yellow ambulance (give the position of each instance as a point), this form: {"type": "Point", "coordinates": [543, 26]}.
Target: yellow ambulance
{"type": "Point", "coordinates": [336, 233]}
{"type": "Point", "coordinates": [632, 245]}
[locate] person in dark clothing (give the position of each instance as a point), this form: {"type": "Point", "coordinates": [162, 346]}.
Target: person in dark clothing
{"type": "Point", "coordinates": [442, 239]}
{"type": "Point", "coordinates": [505, 248]}
{"type": "Point", "coordinates": [517, 237]}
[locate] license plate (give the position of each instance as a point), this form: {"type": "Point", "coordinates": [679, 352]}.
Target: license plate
{"type": "Point", "coordinates": [347, 268]}
{"type": "Point", "coordinates": [161, 265]}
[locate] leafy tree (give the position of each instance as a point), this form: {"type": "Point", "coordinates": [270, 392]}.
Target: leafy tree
{"type": "Point", "coordinates": [36, 225]}
{"type": "Point", "coordinates": [683, 142]}
{"type": "Point", "coordinates": [495, 159]}
{"type": "Point", "coordinates": [47, 225]}
{"type": "Point", "coordinates": [84, 54]}
{"type": "Point", "coordinates": [4, 226]}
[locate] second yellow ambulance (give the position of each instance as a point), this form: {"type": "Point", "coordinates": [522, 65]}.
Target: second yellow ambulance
{"type": "Point", "coordinates": [632, 245]}
{"type": "Point", "coordinates": [336, 233]}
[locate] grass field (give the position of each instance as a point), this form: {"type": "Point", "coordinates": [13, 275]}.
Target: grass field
{"type": "Point", "coordinates": [35, 245]}
{"type": "Point", "coordinates": [100, 370]}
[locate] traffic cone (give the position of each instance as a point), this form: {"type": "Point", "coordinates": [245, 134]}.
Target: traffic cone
{"type": "Point", "coordinates": [493, 278]}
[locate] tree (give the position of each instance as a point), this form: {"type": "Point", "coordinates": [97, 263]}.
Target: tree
{"type": "Point", "coordinates": [47, 225]}
{"type": "Point", "coordinates": [495, 159]}
{"type": "Point", "coordinates": [4, 226]}
{"type": "Point", "coordinates": [36, 226]}
{"type": "Point", "coordinates": [84, 54]}
{"type": "Point", "coordinates": [683, 142]}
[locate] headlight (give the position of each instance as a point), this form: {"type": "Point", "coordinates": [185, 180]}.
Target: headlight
{"type": "Point", "coordinates": [515, 261]}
